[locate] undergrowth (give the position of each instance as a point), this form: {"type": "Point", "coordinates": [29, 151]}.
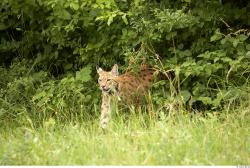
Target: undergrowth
{"type": "Point", "coordinates": [135, 139]}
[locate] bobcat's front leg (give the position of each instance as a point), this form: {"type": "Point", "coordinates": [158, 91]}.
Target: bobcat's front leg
{"type": "Point", "coordinates": [105, 110]}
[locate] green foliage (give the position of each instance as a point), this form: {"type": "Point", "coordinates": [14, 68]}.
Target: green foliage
{"type": "Point", "coordinates": [66, 98]}
{"type": "Point", "coordinates": [49, 50]}
{"type": "Point", "coordinates": [38, 96]}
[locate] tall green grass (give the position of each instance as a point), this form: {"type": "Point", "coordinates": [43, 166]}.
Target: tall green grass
{"type": "Point", "coordinates": [134, 139]}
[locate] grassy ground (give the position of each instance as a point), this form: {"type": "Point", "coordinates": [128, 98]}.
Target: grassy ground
{"type": "Point", "coordinates": [136, 140]}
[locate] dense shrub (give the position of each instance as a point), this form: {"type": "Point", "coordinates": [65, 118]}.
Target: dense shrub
{"type": "Point", "coordinates": [49, 50]}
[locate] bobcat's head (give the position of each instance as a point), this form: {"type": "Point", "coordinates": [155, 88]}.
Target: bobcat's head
{"type": "Point", "coordinates": [106, 79]}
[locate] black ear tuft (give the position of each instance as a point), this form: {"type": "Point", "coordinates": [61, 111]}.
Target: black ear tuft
{"type": "Point", "coordinates": [98, 69]}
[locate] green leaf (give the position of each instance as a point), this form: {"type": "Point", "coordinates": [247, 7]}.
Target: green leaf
{"type": "Point", "coordinates": [84, 74]}
{"type": "Point", "coordinates": [206, 100]}
{"type": "Point", "coordinates": [185, 94]}
{"type": "Point", "coordinates": [187, 53]}
{"type": "Point", "coordinates": [19, 29]}
{"type": "Point", "coordinates": [64, 14]}
{"type": "Point", "coordinates": [236, 42]}
{"type": "Point", "coordinates": [74, 5]}
{"type": "Point", "coordinates": [223, 41]}
{"type": "Point", "coordinates": [248, 47]}
{"type": "Point", "coordinates": [215, 37]}
{"type": "Point", "coordinates": [68, 66]}
{"type": "Point", "coordinates": [248, 54]}
{"type": "Point", "coordinates": [124, 18]}
{"type": "Point", "coordinates": [110, 20]}
{"type": "Point", "coordinates": [242, 37]}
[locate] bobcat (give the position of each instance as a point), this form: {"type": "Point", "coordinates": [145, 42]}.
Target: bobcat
{"type": "Point", "coordinates": [128, 88]}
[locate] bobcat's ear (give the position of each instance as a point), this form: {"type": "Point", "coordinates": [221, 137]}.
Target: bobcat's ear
{"type": "Point", "coordinates": [98, 69]}
{"type": "Point", "coordinates": [114, 70]}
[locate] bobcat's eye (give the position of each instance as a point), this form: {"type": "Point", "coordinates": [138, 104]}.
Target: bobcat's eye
{"type": "Point", "coordinates": [108, 80]}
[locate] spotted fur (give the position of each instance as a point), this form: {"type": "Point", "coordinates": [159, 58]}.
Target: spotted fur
{"type": "Point", "coordinates": [128, 88]}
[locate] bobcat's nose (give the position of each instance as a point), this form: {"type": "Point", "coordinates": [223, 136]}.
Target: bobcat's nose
{"type": "Point", "coordinates": [105, 89]}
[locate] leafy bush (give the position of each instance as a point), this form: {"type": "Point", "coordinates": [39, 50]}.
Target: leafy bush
{"type": "Point", "coordinates": [38, 96]}
{"type": "Point", "coordinates": [49, 50]}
